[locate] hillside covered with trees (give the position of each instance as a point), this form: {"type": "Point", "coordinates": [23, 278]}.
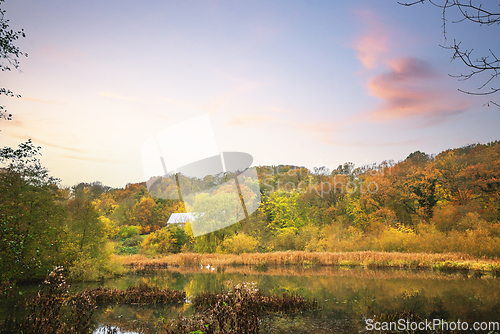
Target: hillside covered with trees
{"type": "Point", "coordinates": [444, 203]}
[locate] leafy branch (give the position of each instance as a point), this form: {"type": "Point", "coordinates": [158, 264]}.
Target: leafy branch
{"type": "Point", "coordinates": [9, 55]}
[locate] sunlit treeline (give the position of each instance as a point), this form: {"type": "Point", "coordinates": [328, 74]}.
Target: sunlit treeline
{"type": "Point", "coordinates": [444, 203]}
{"type": "Point", "coordinates": [43, 225]}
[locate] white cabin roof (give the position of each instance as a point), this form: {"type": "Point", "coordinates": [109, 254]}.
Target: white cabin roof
{"type": "Point", "coordinates": [180, 218]}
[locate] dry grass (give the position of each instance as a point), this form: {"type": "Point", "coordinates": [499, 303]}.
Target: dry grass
{"type": "Point", "coordinates": [448, 261]}
{"type": "Point", "coordinates": [236, 310]}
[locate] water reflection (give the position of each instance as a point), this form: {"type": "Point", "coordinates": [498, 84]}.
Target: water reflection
{"type": "Point", "coordinates": [346, 296]}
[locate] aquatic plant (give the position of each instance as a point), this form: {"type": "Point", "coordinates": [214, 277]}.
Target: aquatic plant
{"type": "Point", "coordinates": [54, 310]}
{"type": "Point", "coordinates": [51, 312]}
{"type": "Point", "coordinates": [235, 310]}
{"type": "Point", "coordinates": [140, 294]}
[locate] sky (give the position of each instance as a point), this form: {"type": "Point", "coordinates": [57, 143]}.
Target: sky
{"type": "Point", "coordinates": [307, 83]}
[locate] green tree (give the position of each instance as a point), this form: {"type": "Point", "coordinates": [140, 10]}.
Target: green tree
{"type": "Point", "coordinates": [90, 191]}
{"type": "Point", "coordinates": [88, 233]}
{"type": "Point", "coordinates": [87, 250]}
{"type": "Point", "coordinates": [31, 215]}
{"type": "Point", "coordinates": [282, 210]}
{"type": "Point", "coordinates": [180, 236]}
{"type": "Point", "coordinates": [128, 232]}
{"type": "Point", "coordinates": [9, 54]}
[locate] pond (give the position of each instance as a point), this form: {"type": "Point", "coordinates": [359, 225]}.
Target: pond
{"type": "Point", "coordinates": [347, 296]}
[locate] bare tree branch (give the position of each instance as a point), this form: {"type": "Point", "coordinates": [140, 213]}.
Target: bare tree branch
{"type": "Point", "coordinates": [477, 13]}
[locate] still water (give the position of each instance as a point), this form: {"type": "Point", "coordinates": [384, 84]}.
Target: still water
{"type": "Point", "coordinates": [347, 296]}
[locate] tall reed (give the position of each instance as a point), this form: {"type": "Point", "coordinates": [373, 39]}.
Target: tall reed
{"type": "Point", "coordinates": [452, 261]}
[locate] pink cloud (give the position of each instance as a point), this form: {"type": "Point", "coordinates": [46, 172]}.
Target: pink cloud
{"type": "Point", "coordinates": [374, 42]}
{"type": "Point", "coordinates": [411, 89]}
{"type": "Point", "coordinates": [407, 87]}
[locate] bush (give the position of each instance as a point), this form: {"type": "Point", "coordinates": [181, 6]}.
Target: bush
{"type": "Point", "coordinates": [400, 239]}
{"type": "Point", "coordinates": [86, 268]}
{"type": "Point", "coordinates": [337, 238]}
{"type": "Point", "coordinates": [163, 241]}
{"type": "Point", "coordinates": [240, 243]}
{"type": "Point", "coordinates": [307, 237]}
{"type": "Point", "coordinates": [136, 240]}
{"type": "Point", "coordinates": [180, 235]}
{"type": "Point", "coordinates": [236, 310]}
{"type": "Point", "coordinates": [125, 250]}
{"type": "Point", "coordinates": [287, 239]}
{"type": "Point", "coordinates": [128, 232]}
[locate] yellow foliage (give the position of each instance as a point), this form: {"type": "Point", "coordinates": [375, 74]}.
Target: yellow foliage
{"type": "Point", "coordinates": [240, 243]}
{"type": "Point", "coordinates": [400, 239]}
{"type": "Point", "coordinates": [445, 216]}
{"type": "Point", "coordinates": [86, 268]}
{"type": "Point", "coordinates": [286, 239]}
{"type": "Point", "coordinates": [159, 242]}
{"type": "Point", "coordinates": [109, 226]}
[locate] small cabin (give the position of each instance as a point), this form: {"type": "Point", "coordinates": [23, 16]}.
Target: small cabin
{"type": "Point", "coordinates": [180, 219]}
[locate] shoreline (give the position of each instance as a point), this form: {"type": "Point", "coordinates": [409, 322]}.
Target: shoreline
{"type": "Point", "coordinates": [370, 259]}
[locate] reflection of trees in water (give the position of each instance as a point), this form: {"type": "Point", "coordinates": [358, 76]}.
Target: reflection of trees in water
{"type": "Point", "coordinates": [139, 318]}
{"type": "Point", "coordinates": [345, 295]}
{"type": "Point", "coordinates": [352, 293]}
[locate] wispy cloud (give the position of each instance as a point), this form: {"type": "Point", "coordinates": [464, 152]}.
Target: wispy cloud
{"type": "Point", "coordinates": [41, 101]}
{"type": "Point", "coordinates": [250, 120]}
{"type": "Point", "coordinates": [241, 84]}
{"type": "Point", "coordinates": [214, 105]}
{"type": "Point", "coordinates": [407, 87]}
{"type": "Point", "coordinates": [91, 159]}
{"type": "Point", "coordinates": [373, 43]}
{"type": "Point", "coordinates": [154, 114]}
{"type": "Point", "coordinates": [37, 141]}
{"type": "Point", "coordinates": [180, 103]}
{"type": "Point", "coordinates": [410, 88]}
{"type": "Point", "coordinates": [14, 123]}
{"type": "Point", "coordinates": [322, 131]}
{"type": "Point", "coordinates": [396, 143]}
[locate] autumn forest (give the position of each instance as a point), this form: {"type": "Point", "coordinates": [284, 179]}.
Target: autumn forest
{"type": "Point", "coordinates": [431, 204]}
